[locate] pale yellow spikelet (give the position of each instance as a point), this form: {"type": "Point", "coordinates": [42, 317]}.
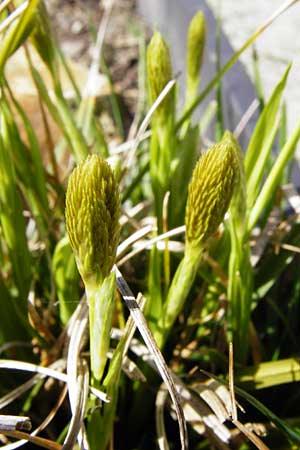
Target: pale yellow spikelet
{"type": "Point", "coordinates": [92, 217]}
{"type": "Point", "coordinates": [211, 188]}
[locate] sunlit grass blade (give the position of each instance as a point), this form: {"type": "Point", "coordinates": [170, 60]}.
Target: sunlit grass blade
{"type": "Point", "coordinates": [36, 158]}
{"type": "Point", "coordinates": [91, 127]}
{"type": "Point", "coordinates": [267, 192]}
{"type": "Point", "coordinates": [270, 373]}
{"type": "Point", "coordinates": [63, 116]}
{"type": "Point", "coordinates": [101, 304]}
{"type": "Point", "coordinates": [66, 278]}
{"type": "Point", "coordinates": [261, 142]}
{"type": "Point", "coordinates": [239, 284]}
{"type": "Point", "coordinates": [283, 126]}
{"type": "Point", "coordinates": [115, 104]}
{"type": "Point", "coordinates": [257, 79]}
{"type": "Point", "coordinates": [50, 104]}
{"type": "Point", "coordinates": [239, 291]}
{"type": "Point", "coordinates": [69, 73]}
{"type": "Point", "coordinates": [18, 32]}
{"type": "Point", "coordinates": [12, 220]}
{"type": "Point", "coordinates": [153, 308]}
{"type": "Point", "coordinates": [75, 136]}
{"type": "Point", "coordinates": [32, 181]}
{"type": "Point", "coordinates": [184, 161]}
{"type": "Point", "coordinates": [43, 40]}
{"type": "Point", "coordinates": [136, 181]}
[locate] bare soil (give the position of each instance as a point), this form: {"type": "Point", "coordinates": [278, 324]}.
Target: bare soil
{"type": "Point", "coordinates": [76, 23]}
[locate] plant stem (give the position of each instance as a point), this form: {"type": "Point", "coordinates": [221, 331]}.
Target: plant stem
{"type": "Point", "coordinates": [101, 306]}
{"type": "Point", "coordinates": [178, 292]}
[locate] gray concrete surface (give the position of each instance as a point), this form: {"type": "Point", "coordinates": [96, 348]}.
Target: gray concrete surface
{"type": "Point", "coordinates": [240, 18]}
{"type": "Point", "coordinates": [172, 19]}
{"type": "Point", "coordinates": [276, 47]}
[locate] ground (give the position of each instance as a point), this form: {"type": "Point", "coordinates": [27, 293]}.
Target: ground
{"type": "Point", "coordinates": [76, 24]}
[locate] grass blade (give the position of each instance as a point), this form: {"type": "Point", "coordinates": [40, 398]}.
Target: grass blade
{"type": "Point", "coordinates": [260, 145]}
{"type": "Point", "coordinates": [12, 220]}
{"type": "Point", "coordinates": [66, 278]}
{"type": "Point", "coordinates": [274, 178]}
{"type": "Point", "coordinates": [18, 33]}
{"type": "Point", "coordinates": [270, 373]}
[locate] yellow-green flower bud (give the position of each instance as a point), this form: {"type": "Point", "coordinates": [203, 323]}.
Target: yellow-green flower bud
{"type": "Point", "coordinates": [210, 190]}
{"type": "Point", "coordinates": [92, 218]}
{"type": "Point", "coordinates": [159, 70]}
{"type": "Point", "coordinates": [195, 45]}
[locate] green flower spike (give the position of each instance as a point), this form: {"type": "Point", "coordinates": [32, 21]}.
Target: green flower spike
{"type": "Point", "coordinates": [210, 190]}
{"type": "Point", "coordinates": [195, 49]}
{"type": "Point", "coordinates": [92, 220]}
{"type": "Point", "coordinates": [213, 183]}
{"type": "Point", "coordinates": [159, 70]}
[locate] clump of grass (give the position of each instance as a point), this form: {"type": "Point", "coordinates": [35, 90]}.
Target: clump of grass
{"type": "Point", "coordinates": [222, 284]}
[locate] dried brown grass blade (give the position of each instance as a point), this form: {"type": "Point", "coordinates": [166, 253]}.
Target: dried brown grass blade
{"type": "Point", "coordinates": [41, 442]}
{"type": "Point", "coordinates": [251, 436]}
{"type": "Point", "coordinates": [150, 243]}
{"type": "Point", "coordinates": [147, 119]}
{"type": "Point", "coordinates": [160, 402]}
{"type": "Point", "coordinates": [14, 423]}
{"type": "Point", "coordinates": [231, 383]}
{"type": "Point", "coordinates": [163, 369]}
{"type": "Point", "coordinates": [76, 430]}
